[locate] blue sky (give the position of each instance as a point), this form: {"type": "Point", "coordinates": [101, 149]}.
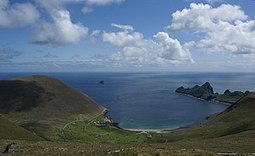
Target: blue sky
{"type": "Point", "coordinates": [127, 35]}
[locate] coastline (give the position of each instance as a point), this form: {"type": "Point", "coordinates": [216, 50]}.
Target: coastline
{"type": "Point", "coordinates": [148, 130]}
{"type": "Point", "coordinates": [216, 101]}
{"type": "Point", "coordinates": [166, 130]}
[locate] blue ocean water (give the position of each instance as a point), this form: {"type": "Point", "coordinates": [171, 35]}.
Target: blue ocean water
{"type": "Point", "coordinates": [148, 100]}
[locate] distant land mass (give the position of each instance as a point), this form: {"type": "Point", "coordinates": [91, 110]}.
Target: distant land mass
{"type": "Point", "coordinates": [206, 92]}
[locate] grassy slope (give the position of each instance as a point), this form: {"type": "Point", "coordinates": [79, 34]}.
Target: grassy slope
{"type": "Point", "coordinates": [64, 102]}
{"type": "Point", "coordinates": [75, 148]}
{"type": "Point", "coordinates": [87, 132]}
{"type": "Point", "coordinates": [233, 129]}
{"type": "Point", "coordinates": [9, 130]}
{"type": "Point", "coordinates": [58, 104]}
{"type": "Point", "coordinates": [228, 98]}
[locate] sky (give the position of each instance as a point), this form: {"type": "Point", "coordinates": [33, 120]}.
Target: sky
{"type": "Point", "coordinates": [127, 35]}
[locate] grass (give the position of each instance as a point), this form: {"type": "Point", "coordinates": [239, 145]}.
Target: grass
{"type": "Point", "coordinates": [227, 98]}
{"type": "Point", "coordinates": [31, 148]}
{"type": "Point", "coordinates": [58, 101]}
{"type": "Point", "coordinates": [9, 130]}
{"type": "Point", "coordinates": [86, 131]}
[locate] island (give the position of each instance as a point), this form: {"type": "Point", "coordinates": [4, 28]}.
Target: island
{"type": "Point", "coordinates": [206, 92]}
{"type": "Point", "coordinates": [101, 82]}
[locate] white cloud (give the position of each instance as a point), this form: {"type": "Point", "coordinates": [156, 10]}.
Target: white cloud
{"type": "Point", "coordinates": [57, 4]}
{"type": "Point", "coordinates": [137, 51]}
{"type": "Point", "coordinates": [60, 3]}
{"type": "Point", "coordinates": [238, 38]}
{"type": "Point", "coordinates": [123, 38]}
{"type": "Point", "coordinates": [86, 10]}
{"type": "Point", "coordinates": [93, 36]}
{"type": "Point", "coordinates": [171, 49]}
{"type": "Point", "coordinates": [215, 1]}
{"type": "Point", "coordinates": [103, 2]}
{"type": "Point", "coordinates": [4, 3]}
{"type": "Point", "coordinates": [201, 17]}
{"type": "Point", "coordinates": [224, 29]}
{"type": "Point", "coordinates": [61, 31]}
{"type": "Point", "coordinates": [17, 14]}
{"type": "Point", "coordinates": [123, 27]}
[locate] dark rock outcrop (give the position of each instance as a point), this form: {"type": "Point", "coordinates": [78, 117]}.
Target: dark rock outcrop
{"type": "Point", "coordinates": [101, 82]}
{"type": "Point", "coordinates": [227, 92]}
{"type": "Point", "coordinates": [205, 91]}
{"type": "Point", "coordinates": [12, 148]}
{"type": "Point", "coordinates": [207, 88]}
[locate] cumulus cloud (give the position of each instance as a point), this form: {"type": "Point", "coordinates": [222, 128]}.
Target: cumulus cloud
{"type": "Point", "coordinates": [201, 17]}
{"type": "Point", "coordinates": [17, 14]}
{"type": "Point", "coordinates": [123, 38]}
{"type": "Point", "coordinates": [138, 51]}
{"type": "Point", "coordinates": [7, 54]}
{"type": "Point", "coordinates": [224, 29]}
{"type": "Point", "coordinates": [171, 49]}
{"type": "Point", "coordinates": [61, 31]}
{"type": "Point", "coordinates": [238, 38]}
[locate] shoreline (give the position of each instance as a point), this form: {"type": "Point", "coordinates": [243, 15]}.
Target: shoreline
{"type": "Point", "coordinates": [167, 130]}
{"type": "Point", "coordinates": [148, 130]}
{"type": "Point", "coordinates": [215, 101]}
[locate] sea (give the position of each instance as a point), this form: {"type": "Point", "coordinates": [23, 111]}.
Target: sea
{"type": "Point", "coordinates": [147, 100]}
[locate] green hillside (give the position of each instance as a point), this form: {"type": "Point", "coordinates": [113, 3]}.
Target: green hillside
{"type": "Point", "coordinates": [42, 104]}
{"type": "Point", "coordinates": [230, 130]}
{"type": "Point", "coordinates": [9, 130]}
